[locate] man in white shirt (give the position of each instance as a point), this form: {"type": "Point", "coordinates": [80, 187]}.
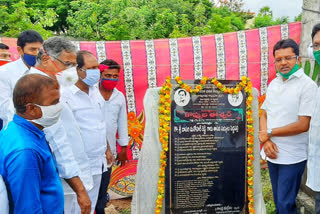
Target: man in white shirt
{"type": "Point", "coordinates": [57, 55]}
{"type": "Point", "coordinates": [116, 121]}
{"type": "Point", "coordinates": [28, 44]}
{"type": "Point", "coordinates": [86, 104]}
{"type": "Point", "coordinates": [284, 125]}
{"type": "Point", "coordinates": [313, 179]}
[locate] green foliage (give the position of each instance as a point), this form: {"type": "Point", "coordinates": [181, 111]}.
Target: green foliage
{"type": "Point", "coordinates": [298, 18]}
{"type": "Point", "coordinates": [17, 18]}
{"type": "Point", "coordinates": [128, 19]}
{"type": "Point", "coordinates": [267, 191]}
{"type": "Point", "coordinates": [265, 18]}
{"type": "Point", "coordinates": [132, 19]}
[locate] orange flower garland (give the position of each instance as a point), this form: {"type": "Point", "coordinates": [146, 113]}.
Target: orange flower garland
{"type": "Point", "coordinates": [164, 129]}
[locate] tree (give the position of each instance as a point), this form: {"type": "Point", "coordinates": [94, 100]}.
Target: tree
{"type": "Point", "coordinates": [265, 18]}
{"type": "Point", "coordinates": [17, 18]}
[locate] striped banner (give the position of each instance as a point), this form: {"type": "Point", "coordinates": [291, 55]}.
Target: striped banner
{"type": "Point", "coordinates": [146, 64]}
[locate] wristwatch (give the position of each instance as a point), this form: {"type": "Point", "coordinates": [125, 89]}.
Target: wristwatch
{"type": "Point", "coordinates": [269, 132]}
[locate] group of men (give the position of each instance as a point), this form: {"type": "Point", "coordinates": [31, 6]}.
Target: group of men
{"type": "Point", "coordinates": [290, 108]}
{"type": "Point", "coordinates": [58, 143]}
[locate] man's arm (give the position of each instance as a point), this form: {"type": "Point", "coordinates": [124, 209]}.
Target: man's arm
{"type": "Point", "coordinates": [302, 125]}
{"type": "Point", "coordinates": [66, 162]}
{"type": "Point", "coordinates": [123, 135]}
{"type": "Point", "coordinates": [263, 127]}
{"type": "Point", "coordinates": [23, 177]}
{"type": "Point", "coordinates": [82, 196]}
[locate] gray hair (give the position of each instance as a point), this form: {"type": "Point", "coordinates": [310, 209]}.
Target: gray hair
{"type": "Point", "coordinates": [54, 46]}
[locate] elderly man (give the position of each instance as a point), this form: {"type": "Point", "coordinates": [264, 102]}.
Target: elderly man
{"type": "Point", "coordinates": [86, 103]}
{"type": "Point", "coordinates": [284, 125]}
{"type": "Point", "coordinates": [313, 180]}
{"type": "Point", "coordinates": [28, 44]}
{"type": "Point", "coordinates": [57, 55]}
{"type": "Point", "coordinates": [26, 163]}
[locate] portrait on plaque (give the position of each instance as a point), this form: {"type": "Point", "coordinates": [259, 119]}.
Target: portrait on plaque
{"type": "Point", "coordinates": [181, 97]}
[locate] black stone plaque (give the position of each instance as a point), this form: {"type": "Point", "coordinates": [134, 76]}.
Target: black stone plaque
{"type": "Point", "coordinates": [206, 171]}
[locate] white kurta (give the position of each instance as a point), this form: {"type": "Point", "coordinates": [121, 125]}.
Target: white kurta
{"type": "Point", "coordinates": [313, 164]}
{"type": "Point", "coordinates": [10, 74]}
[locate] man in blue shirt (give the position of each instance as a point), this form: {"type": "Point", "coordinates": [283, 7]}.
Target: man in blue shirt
{"type": "Point", "coordinates": [27, 165]}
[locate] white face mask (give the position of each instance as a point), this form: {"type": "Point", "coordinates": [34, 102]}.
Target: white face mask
{"type": "Point", "coordinates": [67, 77]}
{"type": "Point", "coordinates": [50, 115]}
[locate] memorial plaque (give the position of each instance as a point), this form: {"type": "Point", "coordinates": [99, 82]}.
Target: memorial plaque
{"type": "Point", "coordinates": [206, 171]}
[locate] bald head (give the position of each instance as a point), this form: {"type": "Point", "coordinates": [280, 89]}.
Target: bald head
{"type": "Point", "coordinates": [30, 89]}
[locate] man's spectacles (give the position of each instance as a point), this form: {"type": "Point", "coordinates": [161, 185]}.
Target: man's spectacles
{"type": "Point", "coordinates": [315, 47]}
{"type": "Point", "coordinates": [67, 64]}
{"type": "Point", "coordinates": [286, 59]}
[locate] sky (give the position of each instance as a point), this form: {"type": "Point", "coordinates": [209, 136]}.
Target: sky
{"type": "Point", "coordinates": [291, 8]}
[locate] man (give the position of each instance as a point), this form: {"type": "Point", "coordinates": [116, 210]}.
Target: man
{"type": "Point", "coordinates": [26, 163]}
{"type": "Point", "coordinates": [28, 44]}
{"type": "Point", "coordinates": [313, 180]}
{"type": "Point", "coordinates": [86, 104]}
{"type": "Point", "coordinates": [182, 96]}
{"type": "Point", "coordinates": [5, 55]}
{"type": "Point", "coordinates": [284, 125]}
{"type": "Point", "coordinates": [57, 55]}
{"type": "Point", "coordinates": [116, 122]}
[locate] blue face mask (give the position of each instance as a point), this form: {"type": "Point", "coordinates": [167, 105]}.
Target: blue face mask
{"type": "Point", "coordinates": [29, 59]}
{"type": "Point", "coordinates": [92, 77]}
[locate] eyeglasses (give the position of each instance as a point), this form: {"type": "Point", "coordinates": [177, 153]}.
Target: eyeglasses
{"type": "Point", "coordinates": [315, 47]}
{"type": "Point", "coordinates": [286, 59]}
{"type": "Point", "coordinates": [67, 64]}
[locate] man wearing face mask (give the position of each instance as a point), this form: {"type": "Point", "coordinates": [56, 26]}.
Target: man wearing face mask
{"type": "Point", "coordinates": [5, 55]}
{"type": "Point", "coordinates": [284, 125]}
{"type": "Point", "coordinates": [26, 163]}
{"type": "Point", "coordinates": [57, 55]}
{"type": "Point", "coordinates": [313, 167]}
{"type": "Point", "coordinates": [115, 114]}
{"type": "Point", "coordinates": [28, 44]}
{"type": "Point", "coordinates": [86, 104]}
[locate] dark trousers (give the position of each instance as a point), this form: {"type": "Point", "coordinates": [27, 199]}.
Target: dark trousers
{"type": "Point", "coordinates": [103, 195]}
{"type": "Point", "coordinates": [286, 181]}
{"type": "Point", "coordinates": [317, 202]}
{"type": "Point", "coordinates": [1, 123]}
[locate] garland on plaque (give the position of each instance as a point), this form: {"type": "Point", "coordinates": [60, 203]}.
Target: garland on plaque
{"type": "Point", "coordinates": [164, 129]}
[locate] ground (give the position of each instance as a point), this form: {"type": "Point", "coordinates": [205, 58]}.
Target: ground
{"type": "Point", "coordinates": [122, 206]}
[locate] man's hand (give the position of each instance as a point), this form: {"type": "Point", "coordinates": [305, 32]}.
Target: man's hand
{"type": "Point", "coordinates": [110, 157]}
{"type": "Point", "coordinates": [270, 149]}
{"type": "Point", "coordinates": [122, 156]}
{"type": "Point", "coordinates": [84, 202]}
{"type": "Point", "coordinates": [263, 137]}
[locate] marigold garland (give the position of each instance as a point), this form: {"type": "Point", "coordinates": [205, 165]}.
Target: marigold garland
{"type": "Point", "coordinates": [164, 129]}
